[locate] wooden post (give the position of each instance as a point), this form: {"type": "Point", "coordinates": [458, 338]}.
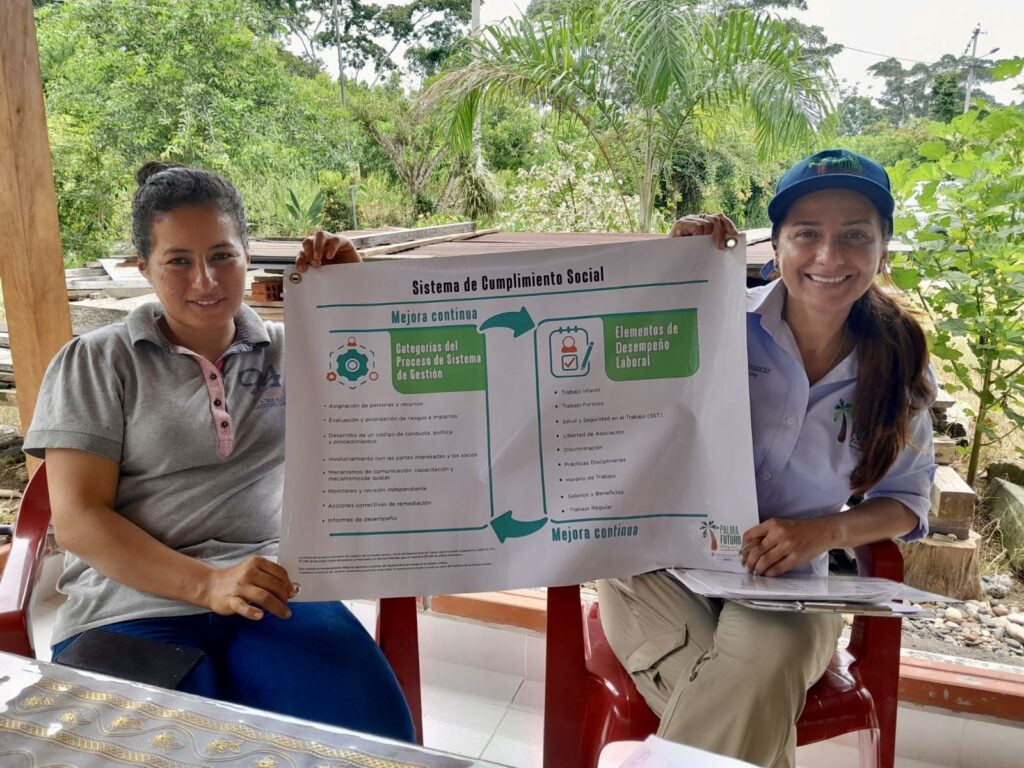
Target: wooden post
{"type": "Point", "coordinates": [31, 258]}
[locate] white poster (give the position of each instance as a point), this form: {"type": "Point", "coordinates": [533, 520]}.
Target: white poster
{"type": "Point", "coordinates": [512, 420]}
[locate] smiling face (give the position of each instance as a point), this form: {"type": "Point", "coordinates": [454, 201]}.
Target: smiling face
{"type": "Point", "coordinates": [830, 247]}
{"type": "Point", "coordinates": [197, 267]}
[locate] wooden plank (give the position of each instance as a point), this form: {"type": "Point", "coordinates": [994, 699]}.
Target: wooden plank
{"type": "Point", "coordinates": [407, 235]}
{"type": "Point", "coordinates": [384, 251]}
{"type": "Point", "coordinates": [945, 450]}
{"type": "Point", "coordinates": [943, 400]}
{"type": "Point", "coordinates": [114, 289]}
{"type": "Point", "coordinates": [284, 251]}
{"type": "Point", "coordinates": [123, 271]}
{"type": "Point", "coordinates": [952, 502]}
{"type": "Point", "coordinates": [84, 272]}
{"type": "Point", "coordinates": [31, 257]}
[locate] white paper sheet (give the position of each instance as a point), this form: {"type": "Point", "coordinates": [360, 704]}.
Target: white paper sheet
{"type": "Point", "coordinates": [524, 419]}
{"type": "Point", "coordinates": [658, 753]}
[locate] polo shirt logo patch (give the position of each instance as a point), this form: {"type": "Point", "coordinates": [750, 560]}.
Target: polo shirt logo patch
{"type": "Point", "coordinates": [260, 381]}
{"type": "Point", "coordinates": [842, 411]}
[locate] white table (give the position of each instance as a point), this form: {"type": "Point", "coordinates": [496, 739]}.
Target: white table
{"type": "Point", "coordinates": [52, 715]}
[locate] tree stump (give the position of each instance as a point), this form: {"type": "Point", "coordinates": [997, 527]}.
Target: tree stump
{"type": "Point", "coordinates": [947, 567]}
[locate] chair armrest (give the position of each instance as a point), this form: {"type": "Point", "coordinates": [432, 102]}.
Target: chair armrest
{"type": "Point", "coordinates": [880, 558]}
{"type": "Point", "coordinates": [875, 640]}
{"type": "Point", "coordinates": [16, 584]}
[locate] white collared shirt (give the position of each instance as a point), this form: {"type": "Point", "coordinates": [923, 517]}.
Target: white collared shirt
{"type": "Point", "coordinates": [802, 433]}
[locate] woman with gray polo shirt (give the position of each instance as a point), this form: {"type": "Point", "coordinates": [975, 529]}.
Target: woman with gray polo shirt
{"type": "Point", "coordinates": [164, 445]}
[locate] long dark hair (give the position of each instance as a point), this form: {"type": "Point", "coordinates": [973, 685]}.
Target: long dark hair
{"type": "Point", "coordinates": [166, 186]}
{"type": "Point", "coordinates": [893, 383]}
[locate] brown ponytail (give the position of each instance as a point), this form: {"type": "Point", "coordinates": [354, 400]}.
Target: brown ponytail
{"type": "Point", "coordinates": [893, 383]}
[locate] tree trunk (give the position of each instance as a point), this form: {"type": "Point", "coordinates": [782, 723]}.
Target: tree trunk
{"type": "Point", "coordinates": [946, 567]}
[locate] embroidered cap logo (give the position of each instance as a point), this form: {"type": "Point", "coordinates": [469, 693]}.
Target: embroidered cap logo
{"type": "Point", "coordinates": [836, 165]}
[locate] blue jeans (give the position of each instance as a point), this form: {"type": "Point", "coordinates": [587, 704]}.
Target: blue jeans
{"type": "Point", "coordinates": [320, 665]}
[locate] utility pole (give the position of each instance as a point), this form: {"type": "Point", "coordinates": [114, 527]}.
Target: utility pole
{"type": "Point", "coordinates": [970, 72]}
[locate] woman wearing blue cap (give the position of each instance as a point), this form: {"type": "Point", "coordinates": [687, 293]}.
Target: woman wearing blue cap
{"type": "Point", "coordinates": [839, 396]}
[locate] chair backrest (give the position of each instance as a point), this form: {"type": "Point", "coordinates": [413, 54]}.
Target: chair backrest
{"type": "Point", "coordinates": [19, 575]}
{"type": "Point", "coordinates": [396, 622]}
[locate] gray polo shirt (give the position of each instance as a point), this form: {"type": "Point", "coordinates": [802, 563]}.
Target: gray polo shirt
{"type": "Point", "coordinates": [200, 448]}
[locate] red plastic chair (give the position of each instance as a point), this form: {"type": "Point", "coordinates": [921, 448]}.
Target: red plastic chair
{"type": "Point", "coordinates": [590, 699]}
{"type": "Point", "coordinates": [397, 632]}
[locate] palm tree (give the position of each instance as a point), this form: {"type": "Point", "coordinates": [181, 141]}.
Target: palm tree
{"type": "Point", "coordinates": [841, 410]}
{"type": "Point", "coordinates": [637, 74]}
{"type": "Point", "coordinates": [708, 528]}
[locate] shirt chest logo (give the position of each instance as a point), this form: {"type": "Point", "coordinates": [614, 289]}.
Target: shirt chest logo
{"type": "Point", "coordinates": [260, 381]}
{"type": "Point", "coordinates": [842, 412]}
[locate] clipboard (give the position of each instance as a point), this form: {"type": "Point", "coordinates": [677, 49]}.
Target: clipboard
{"type": "Point", "coordinates": [894, 609]}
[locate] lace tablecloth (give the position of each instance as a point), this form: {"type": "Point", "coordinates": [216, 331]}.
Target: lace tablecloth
{"type": "Point", "coordinates": [56, 717]}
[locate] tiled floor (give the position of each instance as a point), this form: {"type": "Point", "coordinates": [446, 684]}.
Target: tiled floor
{"type": "Point", "coordinates": [483, 696]}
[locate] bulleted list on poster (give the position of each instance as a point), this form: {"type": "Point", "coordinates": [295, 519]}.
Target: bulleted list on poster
{"type": "Point", "coordinates": [522, 419]}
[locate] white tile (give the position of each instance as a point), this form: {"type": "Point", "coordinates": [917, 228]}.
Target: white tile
{"type": "Point", "coordinates": [458, 725]}
{"type": "Point", "coordinates": [992, 745]}
{"type": "Point", "coordinates": [475, 645]}
{"type": "Point", "coordinates": [445, 681]}
{"type": "Point", "coordinates": [535, 659]}
{"type": "Point", "coordinates": [928, 735]}
{"type": "Point", "coordinates": [517, 741]}
{"type": "Point", "coordinates": [530, 697]}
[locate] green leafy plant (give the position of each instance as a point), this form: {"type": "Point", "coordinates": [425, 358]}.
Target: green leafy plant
{"type": "Point", "coordinates": [572, 193]}
{"type": "Point", "coordinates": [963, 209]}
{"type": "Point", "coordinates": [303, 218]}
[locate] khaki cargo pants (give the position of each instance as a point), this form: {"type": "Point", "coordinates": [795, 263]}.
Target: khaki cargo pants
{"type": "Point", "coordinates": [724, 678]}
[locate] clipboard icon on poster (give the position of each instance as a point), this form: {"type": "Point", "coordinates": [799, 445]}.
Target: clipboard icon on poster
{"type": "Point", "coordinates": [570, 351]}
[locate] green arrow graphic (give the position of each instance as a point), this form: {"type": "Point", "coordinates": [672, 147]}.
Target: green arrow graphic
{"type": "Point", "coordinates": [507, 527]}
{"type": "Point", "coordinates": [519, 322]}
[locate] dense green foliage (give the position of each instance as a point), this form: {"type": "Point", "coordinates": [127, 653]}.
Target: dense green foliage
{"type": "Point", "coordinates": [632, 112]}
{"type": "Point", "coordinates": [195, 82]}
{"type": "Point", "coordinates": [964, 210]}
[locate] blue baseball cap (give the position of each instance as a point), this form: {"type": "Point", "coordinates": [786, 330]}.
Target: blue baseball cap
{"type": "Point", "coordinates": [833, 169]}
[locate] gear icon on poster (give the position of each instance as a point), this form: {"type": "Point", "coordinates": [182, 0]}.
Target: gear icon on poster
{"type": "Point", "coordinates": [352, 364]}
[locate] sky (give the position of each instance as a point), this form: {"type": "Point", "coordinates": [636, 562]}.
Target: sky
{"type": "Point", "coordinates": [921, 30]}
